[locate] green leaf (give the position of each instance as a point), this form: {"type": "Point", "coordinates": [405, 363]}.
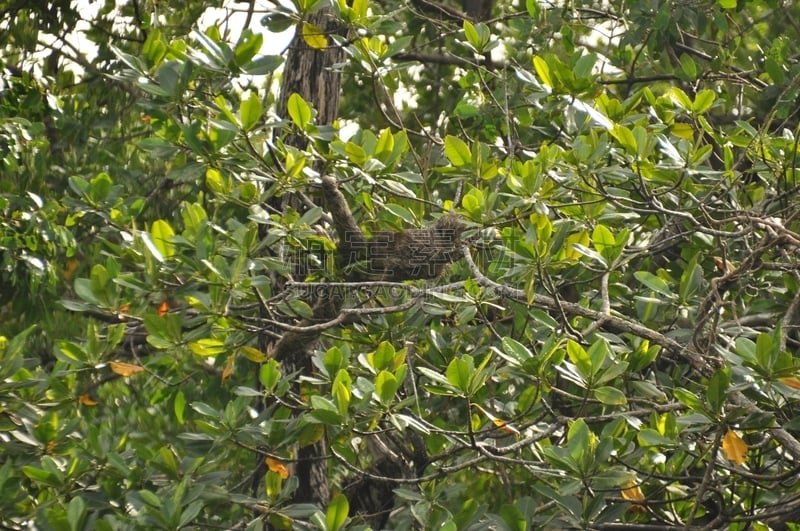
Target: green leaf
{"type": "Point", "coordinates": [356, 153]}
{"type": "Point", "coordinates": [516, 352]}
{"type": "Point", "coordinates": [717, 392]}
{"type": "Point", "coordinates": [654, 282]}
{"type": "Point", "coordinates": [277, 22]}
{"type": "Point", "coordinates": [250, 111]}
{"type": "Point", "coordinates": [478, 35]}
{"type": "Point", "coordinates": [83, 289]}
{"type": "Point", "coordinates": [625, 137]}
{"type": "Point", "coordinates": [269, 375]}
{"type": "Point", "coordinates": [360, 9]}
{"type": "Point", "coordinates": [385, 144]}
{"type": "Point", "coordinates": [205, 410]}
{"type": "Point", "coordinates": [457, 151]}
{"type": "Point", "coordinates": [513, 517]}
{"type": "Point", "coordinates": [543, 71]}
{"type": "Point", "coordinates": [604, 241]}
{"type": "Point", "coordinates": [580, 358]}
{"type": "Point", "coordinates": [71, 353]}
{"type": "Point", "coordinates": [766, 351]}
{"type": "Point", "coordinates": [249, 45]}
{"type": "Point", "coordinates": [690, 399]}
{"type": "Point", "coordinates": [179, 406]}
{"type": "Point", "coordinates": [703, 101]}
{"type": "Point", "coordinates": [386, 385]}
{"type": "Point", "coordinates": [610, 396]}
{"type": "Point", "coordinates": [383, 357]}
{"type": "Point", "coordinates": [76, 513]}
{"type": "Point", "coordinates": [474, 202]}
{"type": "Point", "coordinates": [680, 98]}
{"type": "Point", "coordinates": [688, 67]}
{"type": "Point", "coordinates": [190, 512]}
{"type": "Point", "coordinates": [341, 391]}
{"type": "Point", "coordinates": [163, 235]}
{"type": "Point", "coordinates": [272, 484]}
{"type": "Point", "coordinates": [264, 65]}
{"type": "Point", "coordinates": [775, 69]}
{"type": "Point", "coordinates": [208, 347]}
{"type": "Point", "coordinates": [253, 354]}
{"type": "Point", "coordinates": [325, 411]}
{"type": "Point", "coordinates": [336, 515]}
{"type": "Point", "coordinates": [299, 111]}
{"type": "Point", "coordinates": [215, 181]}
{"type": "Point", "coordinates": [100, 186]}
{"type": "Point", "coordinates": [727, 4]}
{"type": "Point", "coordinates": [459, 372]}
{"type": "Point", "coordinates": [650, 437]}
{"type": "Point", "coordinates": [746, 348]}
{"type": "Point", "coordinates": [333, 360]}
{"type": "Point", "coordinates": [578, 440]}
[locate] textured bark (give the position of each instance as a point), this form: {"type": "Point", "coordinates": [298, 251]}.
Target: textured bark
{"type": "Point", "coordinates": [309, 73]}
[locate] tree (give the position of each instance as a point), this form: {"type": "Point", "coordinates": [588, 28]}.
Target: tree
{"type": "Point", "coordinates": [473, 266]}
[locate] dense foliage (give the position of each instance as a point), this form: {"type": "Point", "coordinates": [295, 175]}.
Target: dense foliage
{"type": "Point", "coordinates": [612, 346]}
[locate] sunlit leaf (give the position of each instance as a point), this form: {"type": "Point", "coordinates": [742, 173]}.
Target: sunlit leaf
{"type": "Point", "coordinates": [336, 515]}
{"type": "Point", "coordinates": [314, 36]}
{"type": "Point", "coordinates": [299, 111]}
{"type": "Point", "coordinates": [251, 111]}
{"type": "Point", "coordinates": [542, 70]}
{"type": "Point", "coordinates": [459, 372]}
{"type": "Point", "coordinates": [208, 347]}
{"type": "Point", "coordinates": [457, 151]}
{"type": "Point", "coordinates": [162, 235]}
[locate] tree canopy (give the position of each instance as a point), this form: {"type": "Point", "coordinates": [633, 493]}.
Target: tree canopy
{"type": "Point", "coordinates": [433, 265]}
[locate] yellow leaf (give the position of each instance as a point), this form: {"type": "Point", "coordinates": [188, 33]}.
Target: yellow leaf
{"type": "Point", "coordinates": [508, 428]}
{"type": "Point", "coordinates": [253, 354]}
{"type": "Point", "coordinates": [734, 448]}
{"type": "Point", "coordinates": [632, 492]}
{"type": "Point", "coordinates": [124, 369]}
{"type": "Point", "coordinates": [500, 423]}
{"type": "Point", "coordinates": [314, 36]}
{"type": "Point", "coordinates": [791, 381]}
{"type": "Point", "coordinates": [276, 466]}
{"type": "Point", "coordinates": [86, 400]}
{"type": "Point", "coordinates": [228, 370]}
{"type": "Point", "coordinates": [69, 268]}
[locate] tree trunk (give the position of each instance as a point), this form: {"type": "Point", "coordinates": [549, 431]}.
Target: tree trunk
{"type": "Point", "coordinates": [308, 72]}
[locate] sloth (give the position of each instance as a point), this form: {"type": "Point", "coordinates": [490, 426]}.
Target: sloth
{"type": "Point", "coordinates": [415, 253]}
{"type": "Point", "coordinates": [394, 256]}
